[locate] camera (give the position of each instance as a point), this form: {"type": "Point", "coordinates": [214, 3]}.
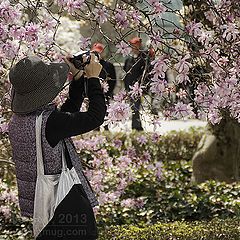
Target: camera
{"type": "Point", "coordinates": [77, 59]}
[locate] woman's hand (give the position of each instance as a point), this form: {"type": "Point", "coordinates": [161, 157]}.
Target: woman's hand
{"type": "Point", "coordinates": [93, 69]}
{"type": "Point", "coordinates": [75, 72]}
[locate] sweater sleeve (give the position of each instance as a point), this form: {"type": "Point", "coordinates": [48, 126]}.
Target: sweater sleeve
{"type": "Point", "coordinates": [75, 96]}
{"type": "Point", "coordinates": [70, 122]}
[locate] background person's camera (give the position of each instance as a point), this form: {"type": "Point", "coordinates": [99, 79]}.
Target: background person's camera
{"type": "Point", "coordinates": [78, 59]}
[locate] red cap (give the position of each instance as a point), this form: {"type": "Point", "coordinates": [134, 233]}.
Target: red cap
{"type": "Point", "coordinates": [136, 41]}
{"type": "Point", "coordinates": [98, 47]}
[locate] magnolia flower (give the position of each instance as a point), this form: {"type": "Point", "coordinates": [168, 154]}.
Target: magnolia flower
{"type": "Point", "coordinates": [135, 16]}
{"type": "Point", "coordinates": [118, 111]}
{"type": "Point", "coordinates": [158, 87]}
{"type": "Point", "coordinates": [136, 90]}
{"type": "Point", "coordinates": [230, 31]}
{"type": "Point", "coordinates": [123, 48]}
{"type": "Point", "coordinates": [84, 43]}
{"type": "Point", "coordinates": [181, 93]}
{"type": "Point", "coordinates": [101, 14]}
{"type": "Point", "coordinates": [105, 86]}
{"type": "Point", "coordinates": [142, 140]}
{"type": "Point", "coordinates": [155, 39]}
{"type": "Point", "coordinates": [120, 96]}
{"type": "Point", "coordinates": [8, 13]}
{"type": "Point", "coordinates": [194, 29]}
{"type": "Point", "coordinates": [31, 33]}
{"type": "Point", "coordinates": [121, 18]}
{"type": "Point", "coordinates": [214, 116]}
{"type": "Point", "coordinates": [160, 67]}
{"type": "Point", "coordinates": [182, 110]}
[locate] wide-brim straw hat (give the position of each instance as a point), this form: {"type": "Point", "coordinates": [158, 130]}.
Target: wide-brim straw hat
{"type": "Point", "coordinates": [35, 83]}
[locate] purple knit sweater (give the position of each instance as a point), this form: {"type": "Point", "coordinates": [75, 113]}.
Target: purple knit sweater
{"type": "Point", "coordinates": [23, 140]}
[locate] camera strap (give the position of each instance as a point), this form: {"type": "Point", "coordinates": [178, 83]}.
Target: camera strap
{"type": "Point", "coordinates": [85, 87]}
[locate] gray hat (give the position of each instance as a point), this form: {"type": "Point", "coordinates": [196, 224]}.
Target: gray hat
{"type": "Point", "coordinates": [35, 83]}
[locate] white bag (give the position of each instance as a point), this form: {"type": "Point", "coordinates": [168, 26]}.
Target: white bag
{"type": "Point", "coordinates": [50, 189]}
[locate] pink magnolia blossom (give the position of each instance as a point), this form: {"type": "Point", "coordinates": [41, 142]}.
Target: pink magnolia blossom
{"type": "Point", "coordinates": [155, 137]}
{"type": "Point", "coordinates": [142, 140]}
{"type": "Point", "coordinates": [31, 34]}
{"type": "Point", "coordinates": [128, 203]}
{"type": "Point", "coordinates": [117, 143]}
{"type": "Point", "coordinates": [72, 5]}
{"type": "Point", "coordinates": [183, 67]}
{"type": "Point", "coordinates": [156, 123]}
{"type": "Point", "coordinates": [135, 16]}
{"type": "Point", "coordinates": [3, 31]}
{"type": "Point", "coordinates": [10, 49]}
{"type": "Point", "coordinates": [194, 29]}
{"type": "Point", "coordinates": [158, 87]}
{"type": "Point", "coordinates": [17, 32]}
{"type": "Point", "coordinates": [9, 14]}
{"type": "Point", "coordinates": [121, 18]}
{"type": "Point", "coordinates": [145, 156]}
{"type": "Point", "coordinates": [101, 14]}
{"type": "Point", "coordinates": [118, 111]}
{"type": "Point", "coordinates": [136, 90]}
{"type": "Point", "coordinates": [205, 37]}
{"type": "Point", "coordinates": [231, 31]}
{"type": "Point", "coordinates": [182, 110]}
{"type": "Point", "coordinates": [123, 48]}
{"type": "Point", "coordinates": [155, 39]}
{"type": "Point", "coordinates": [105, 86]}
{"type": "Point", "coordinates": [4, 127]}
{"type": "Point", "coordinates": [6, 211]}
{"type": "Point", "coordinates": [214, 116]}
{"type": "Point", "coordinates": [120, 96]}
{"type": "Point", "coordinates": [182, 78]}
{"type": "Point", "coordinates": [160, 67]}
{"type": "Point", "coordinates": [158, 9]}
{"type": "Point", "coordinates": [210, 16]}
{"type": "Point", "coordinates": [182, 94]}
{"type": "Point", "coordinates": [84, 43]}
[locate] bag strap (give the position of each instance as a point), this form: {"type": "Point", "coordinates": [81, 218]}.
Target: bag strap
{"type": "Point", "coordinates": [40, 168]}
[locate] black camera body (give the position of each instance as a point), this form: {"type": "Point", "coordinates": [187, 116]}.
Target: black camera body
{"type": "Point", "coordinates": [77, 59]}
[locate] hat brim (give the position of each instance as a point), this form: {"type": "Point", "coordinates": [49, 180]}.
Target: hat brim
{"type": "Point", "coordinates": [45, 92]}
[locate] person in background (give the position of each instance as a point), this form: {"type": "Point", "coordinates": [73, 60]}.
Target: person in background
{"type": "Point", "coordinates": [135, 67]}
{"type": "Point", "coordinates": [107, 73]}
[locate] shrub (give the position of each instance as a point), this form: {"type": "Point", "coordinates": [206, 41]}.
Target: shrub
{"type": "Point", "coordinates": [214, 230]}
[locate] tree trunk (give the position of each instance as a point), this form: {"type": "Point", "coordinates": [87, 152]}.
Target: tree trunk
{"type": "Point", "coordinates": [218, 153]}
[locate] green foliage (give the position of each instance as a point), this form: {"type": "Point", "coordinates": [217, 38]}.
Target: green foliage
{"type": "Point", "coordinates": [173, 198]}
{"type": "Point", "coordinates": [214, 230]}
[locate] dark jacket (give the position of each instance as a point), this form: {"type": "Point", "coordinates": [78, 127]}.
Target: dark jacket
{"type": "Point", "coordinates": [134, 67]}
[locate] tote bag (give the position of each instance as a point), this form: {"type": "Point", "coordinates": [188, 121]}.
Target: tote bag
{"type": "Point", "coordinates": [61, 207]}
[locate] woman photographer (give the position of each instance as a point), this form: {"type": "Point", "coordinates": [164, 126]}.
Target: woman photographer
{"type": "Point", "coordinates": [35, 85]}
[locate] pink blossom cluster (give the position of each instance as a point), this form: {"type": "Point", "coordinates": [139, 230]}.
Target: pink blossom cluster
{"type": "Point", "coordinates": [112, 174]}
{"type": "Point", "coordinates": [72, 5]}
{"type": "Point", "coordinates": [121, 18]}
{"type": "Point", "coordinates": [8, 200]}
{"type": "Point", "coordinates": [101, 14]}
{"type": "Point", "coordinates": [157, 7]}
{"type": "Point", "coordinates": [183, 68]}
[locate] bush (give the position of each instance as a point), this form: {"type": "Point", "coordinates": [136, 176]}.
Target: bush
{"type": "Point", "coordinates": [214, 230]}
